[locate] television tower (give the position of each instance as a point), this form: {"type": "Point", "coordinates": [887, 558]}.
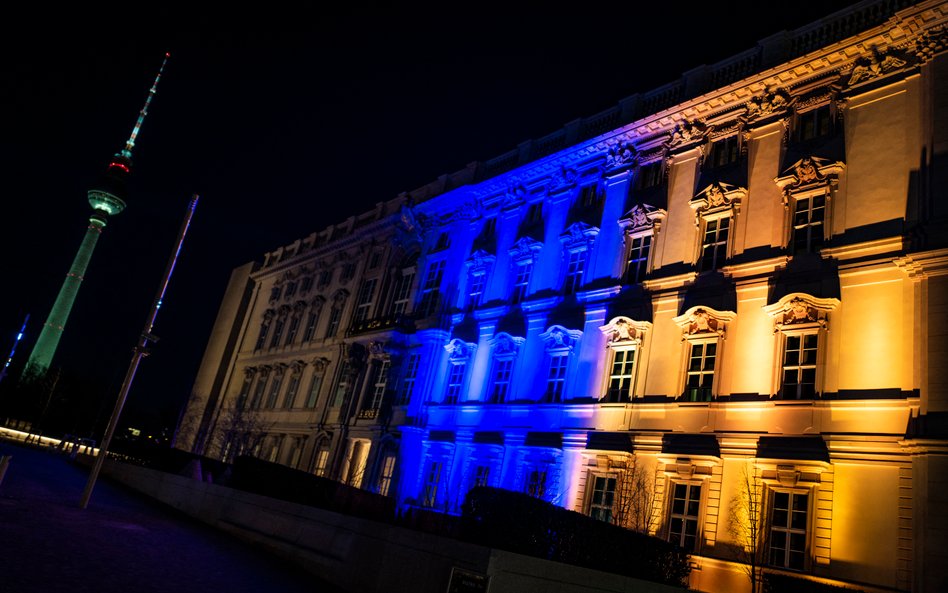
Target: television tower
{"type": "Point", "coordinates": [107, 198]}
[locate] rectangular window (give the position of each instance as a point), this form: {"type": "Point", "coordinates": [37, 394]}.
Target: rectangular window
{"type": "Point", "coordinates": [290, 289]}
{"type": "Point", "coordinates": [455, 382]}
{"type": "Point", "coordinates": [380, 385]}
{"type": "Point", "coordinates": [649, 176]}
{"type": "Point", "coordinates": [262, 337]}
{"type": "Point", "coordinates": [621, 375]}
{"type": "Point", "coordinates": [432, 482]}
{"type": "Point", "coordinates": [275, 292]}
{"type": "Point", "coordinates": [808, 217]}
{"type": "Point", "coordinates": [536, 483]}
{"type": "Point", "coordinates": [325, 278]}
{"type": "Point", "coordinates": [311, 318]}
{"type": "Point", "coordinates": [291, 388]}
{"type": "Point", "coordinates": [481, 476]}
{"type": "Point", "coordinates": [714, 244]}
{"type": "Point", "coordinates": [386, 474]}
{"type": "Point", "coordinates": [724, 151]}
{"type": "Point", "coordinates": [364, 300]}
{"type": "Point", "coordinates": [258, 390]}
{"type": "Point", "coordinates": [244, 391]}
{"type": "Point", "coordinates": [535, 213]}
{"type": "Point", "coordinates": [274, 390]}
{"type": "Point", "coordinates": [683, 519]}
{"type": "Point", "coordinates": [322, 461]}
{"type": "Point", "coordinates": [521, 281]}
{"type": "Point", "coordinates": [306, 283]}
{"type": "Point", "coordinates": [815, 123]}
{"type": "Point", "coordinates": [335, 314]}
{"type": "Point", "coordinates": [476, 291]}
{"type": "Point", "coordinates": [556, 377]}
{"type": "Point", "coordinates": [699, 377]}
{"type": "Point", "coordinates": [291, 331]}
{"type": "Point", "coordinates": [788, 523]}
{"type": "Point", "coordinates": [277, 331]}
{"type": "Point", "coordinates": [342, 386]}
{"type": "Point", "coordinates": [603, 498]}
{"type": "Point", "coordinates": [430, 291]}
{"type": "Point", "coordinates": [313, 395]}
{"type": "Point", "coordinates": [407, 384]}
{"type": "Point", "coordinates": [575, 262]}
{"type": "Point", "coordinates": [400, 296]}
{"type": "Point", "coordinates": [348, 272]}
{"type": "Point", "coordinates": [799, 367]}
{"type": "Point", "coordinates": [500, 387]}
{"type": "Point", "coordinates": [636, 265]}
{"type": "Point", "coordinates": [590, 196]}
{"type": "Point", "coordinates": [375, 260]}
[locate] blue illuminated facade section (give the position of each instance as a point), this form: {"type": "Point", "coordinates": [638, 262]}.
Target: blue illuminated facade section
{"type": "Point", "coordinates": [513, 359]}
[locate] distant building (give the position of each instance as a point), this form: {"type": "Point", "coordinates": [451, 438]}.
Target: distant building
{"type": "Point", "coordinates": [727, 291]}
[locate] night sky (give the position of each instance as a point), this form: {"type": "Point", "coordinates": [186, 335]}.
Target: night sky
{"type": "Point", "coordinates": [284, 122]}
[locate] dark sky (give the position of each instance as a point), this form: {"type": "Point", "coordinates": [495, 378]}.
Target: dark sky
{"type": "Point", "coordinates": [284, 120]}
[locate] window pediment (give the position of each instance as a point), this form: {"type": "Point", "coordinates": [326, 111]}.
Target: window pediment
{"type": "Point", "coordinates": [642, 217]}
{"type": "Point", "coordinates": [718, 197]}
{"type": "Point", "coordinates": [809, 173]}
{"type": "Point", "coordinates": [525, 249]}
{"type": "Point", "coordinates": [579, 236]}
{"type": "Point", "coordinates": [503, 344]}
{"type": "Point", "coordinates": [800, 310]}
{"type": "Point", "coordinates": [560, 338]}
{"type": "Point", "coordinates": [480, 261]}
{"type": "Point", "coordinates": [459, 350]}
{"type": "Point", "coordinates": [700, 322]}
{"type": "Point", "coordinates": [622, 331]}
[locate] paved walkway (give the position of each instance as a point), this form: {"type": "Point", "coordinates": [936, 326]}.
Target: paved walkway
{"type": "Point", "coordinates": [123, 542]}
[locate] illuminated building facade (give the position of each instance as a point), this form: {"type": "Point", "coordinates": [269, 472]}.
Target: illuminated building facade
{"type": "Point", "coordinates": [714, 313]}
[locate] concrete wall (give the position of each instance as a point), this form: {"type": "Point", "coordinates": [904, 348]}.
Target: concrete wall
{"type": "Point", "coordinates": [362, 555]}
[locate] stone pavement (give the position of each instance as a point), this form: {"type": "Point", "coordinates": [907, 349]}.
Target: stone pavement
{"type": "Point", "coordinates": [121, 542]}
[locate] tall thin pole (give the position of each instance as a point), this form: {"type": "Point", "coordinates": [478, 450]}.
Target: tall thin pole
{"type": "Point", "coordinates": [19, 336]}
{"type": "Point", "coordinates": [140, 350]}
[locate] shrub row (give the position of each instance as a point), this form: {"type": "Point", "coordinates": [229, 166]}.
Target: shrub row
{"type": "Point", "coordinates": [526, 525]}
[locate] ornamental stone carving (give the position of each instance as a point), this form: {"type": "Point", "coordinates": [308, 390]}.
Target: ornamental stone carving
{"type": "Point", "coordinates": [320, 364]}
{"type": "Point", "coordinates": [718, 196]}
{"type": "Point", "coordinates": [642, 217]}
{"type": "Point", "coordinates": [578, 235]}
{"type": "Point", "coordinates": [458, 349]}
{"type": "Point", "coordinates": [699, 321]}
{"type": "Point", "coordinates": [874, 65]}
{"type": "Point", "coordinates": [505, 344]}
{"type": "Point", "coordinates": [514, 197]}
{"type": "Point", "coordinates": [686, 131]}
{"type": "Point", "coordinates": [771, 101]}
{"type": "Point", "coordinates": [622, 330]}
{"type": "Point", "coordinates": [620, 154]}
{"type": "Point", "coordinates": [800, 309]}
{"type": "Point", "coordinates": [526, 248]}
{"type": "Point", "coordinates": [560, 338]}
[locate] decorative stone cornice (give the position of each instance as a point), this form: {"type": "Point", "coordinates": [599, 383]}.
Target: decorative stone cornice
{"type": "Point", "coordinates": [876, 64]}
{"type": "Point", "coordinates": [769, 102]}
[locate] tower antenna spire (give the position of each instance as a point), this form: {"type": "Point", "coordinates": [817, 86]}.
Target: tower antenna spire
{"type": "Point", "coordinates": [130, 144]}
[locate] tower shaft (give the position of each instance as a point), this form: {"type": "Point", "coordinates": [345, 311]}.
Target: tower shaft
{"type": "Point", "coordinates": [52, 331]}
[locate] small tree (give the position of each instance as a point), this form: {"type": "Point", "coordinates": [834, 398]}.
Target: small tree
{"type": "Point", "coordinates": [747, 523]}
{"type": "Point", "coordinates": [238, 431]}
{"type": "Point", "coordinates": [635, 502]}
